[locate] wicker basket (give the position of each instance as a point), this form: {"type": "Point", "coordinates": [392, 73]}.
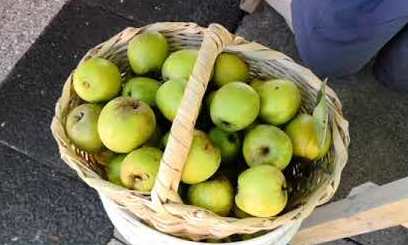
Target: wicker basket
{"type": "Point", "coordinates": [163, 208]}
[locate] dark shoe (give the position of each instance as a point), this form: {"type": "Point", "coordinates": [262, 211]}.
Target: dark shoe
{"type": "Point", "coordinates": [391, 65]}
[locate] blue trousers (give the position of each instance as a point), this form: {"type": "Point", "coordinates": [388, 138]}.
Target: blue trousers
{"type": "Point", "coordinates": [338, 37]}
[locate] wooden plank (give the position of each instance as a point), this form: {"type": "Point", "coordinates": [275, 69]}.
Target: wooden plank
{"type": "Point", "coordinates": [362, 188]}
{"type": "Point", "coordinates": [380, 207]}
{"type": "Point", "coordinates": [249, 5]}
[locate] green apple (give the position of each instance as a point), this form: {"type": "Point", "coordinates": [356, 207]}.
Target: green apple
{"type": "Point", "coordinates": [125, 123]}
{"type": "Point", "coordinates": [81, 127]}
{"type": "Point", "coordinates": [267, 144]}
{"type": "Point", "coordinates": [280, 101]}
{"type": "Point", "coordinates": [147, 52]}
{"type": "Point", "coordinates": [256, 84]}
{"type": "Point", "coordinates": [202, 161]}
{"type": "Point", "coordinates": [97, 80]}
{"type": "Point", "coordinates": [216, 195]}
{"type": "Point", "coordinates": [140, 167]}
{"type": "Point", "coordinates": [168, 98]}
{"type": "Point", "coordinates": [230, 68]}
{"type": "Point", "coordinates": [229, 143]}
{"type": "Point", "coordinates": [142, 88]}
{"type": "Point", "coordinates": [261, 191]}
{"type": "Point", "coordinates": [303, 133]}
{"type": "Point", "coordinates": [179, 65]}
{"type": "Point", "coordinates": [208, 99]}
{"type": "Point", "coordinates": [113, 169]}
{"type": "Point", "coordinates": [234, 106]}
{"type": "Point", "coordinates": [104, 156]}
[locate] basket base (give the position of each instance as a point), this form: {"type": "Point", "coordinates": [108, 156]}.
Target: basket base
{"type": "Point", "coordinates": [137, 233]}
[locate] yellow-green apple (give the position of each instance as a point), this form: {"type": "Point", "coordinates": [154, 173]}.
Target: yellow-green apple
{"type": "Point", "coordinates": [82, 127]}
{"type": "Point", "coordinates": [280, 101]}
{"type": "Point", "coordinates": [142, 88]}
{"type": "Point", "coordinates": [234, 106]}
{"type": "Point", "coordinates": [267, 144]}
{"type": "Point", "coordinates": [302, 131]}
{"type": "Point", "coordinates": [216, 195]}
{"type": "Point", "coordinates": [97, 79]}
{"type": "Point", "coordinates": [179, 65]}
{"type": "Point", "coordinates": [202, 161]}
{"type": "Point", "coordinates": [147, 52]}
{"type": "Point", "coordinates": [113, 169]}
{"type": "Point", "coordinates": [229, 143]}
{"type": "Point", "coordinates": [230, 68]}
{"type": "Point", "coordinates": [168, 98]}
{"type": "Point", "coordinates": [125, 123]}
{"type": "Point", "coordinates": [140, 167]}
{"type": "Point", "coordinates": [261, 191]}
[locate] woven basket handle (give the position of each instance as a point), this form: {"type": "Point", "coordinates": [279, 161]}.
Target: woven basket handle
{"type": "Point", "coordinates": [165, 188]}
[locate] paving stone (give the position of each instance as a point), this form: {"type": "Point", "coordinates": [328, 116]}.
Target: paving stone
{"type": "Point", "coordinates": [378, 130]}
{"type": "Point", "coordinates": [41, 206]}
{"type": "Point", "coordinates": [142, 12]}
{"type": "Point", "coordinates": [21, 22]}
{"type": "Point", "coordinates": [392, 236]}
{"type": "Point", "coordinates": [340, 242]}
{"type": "Point", "coordinates": [29, 93]}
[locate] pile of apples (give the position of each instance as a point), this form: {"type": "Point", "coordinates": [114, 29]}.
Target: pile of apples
{"type": "Point", "coordinates": [246, 135]}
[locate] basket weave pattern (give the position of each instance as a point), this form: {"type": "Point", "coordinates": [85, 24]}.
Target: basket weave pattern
{"type": "Point", "coordinates": [163, 208]}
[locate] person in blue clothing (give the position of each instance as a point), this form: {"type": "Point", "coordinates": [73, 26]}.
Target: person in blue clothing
{"type": "Point", "coordinates": [338, 37]}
